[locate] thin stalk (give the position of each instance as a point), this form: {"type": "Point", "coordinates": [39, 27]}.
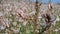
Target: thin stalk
{"type": "Point", "coordinates": [36, 16]}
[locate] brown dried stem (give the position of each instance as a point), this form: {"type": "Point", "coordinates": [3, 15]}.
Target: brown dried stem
{"type": "Point", "coordinates": [36, 16]}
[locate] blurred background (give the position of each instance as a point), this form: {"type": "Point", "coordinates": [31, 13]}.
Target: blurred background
{"type": "Point", "coordinates": [22, 17]}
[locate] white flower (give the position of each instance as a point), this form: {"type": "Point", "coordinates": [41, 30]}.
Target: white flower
{"type": "Point", "coordinates": [37, 31]}
{"type": "Point", "coordinates": [39, 17]}
{"type": "Point", "coordinates": [56, 30]}
{"type": "Point", "coordinates": [57, 19]}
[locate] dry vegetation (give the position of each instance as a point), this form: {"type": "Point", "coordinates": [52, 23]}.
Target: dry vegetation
{"type": "Point", "coordinates": [19, 17]}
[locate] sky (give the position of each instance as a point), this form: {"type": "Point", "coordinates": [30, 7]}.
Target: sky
{"type": "Point", "coordinates": [46, 1]}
